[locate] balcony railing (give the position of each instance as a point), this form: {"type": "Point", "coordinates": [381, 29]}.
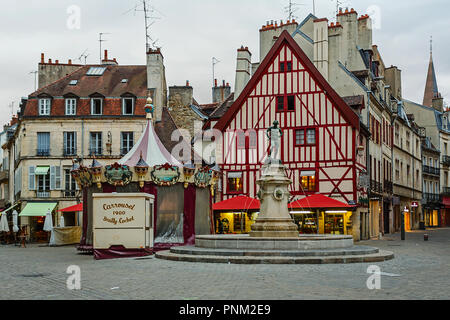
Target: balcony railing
{"type": "Point", "coordinates": [67, 152]}
{"type": "Point", "coordinates": [43, 194]}
{"type": "Point", "coordinates": [388, 186]}
{"type": "Point", "coordinates": [431, 197]}
{"type": "Point", "coordinates": [70, 193]}
{"type": "Point", "coordinates": [376, 186]}
{"type": "Point", "coordinates": [43, 152]}
{"type": "Point", "coordinates": [431, 170]}
{"type": "Point", "coordinates": [446, 160]}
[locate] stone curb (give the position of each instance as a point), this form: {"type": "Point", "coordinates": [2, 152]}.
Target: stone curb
{"type": "Point", "coordinates": [379, 257]}
{"type": "Point", "coordinates": [355, 251]}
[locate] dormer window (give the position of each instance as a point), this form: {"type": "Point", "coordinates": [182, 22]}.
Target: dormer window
{"type": "Point", "coordinates": [71, 106]}
{"type": "Point", "coordinates": [127, 106]}
{"type": "Point", "coordinates": [44, 106]}
{"type": "Point", "coordinates": [96, 106]}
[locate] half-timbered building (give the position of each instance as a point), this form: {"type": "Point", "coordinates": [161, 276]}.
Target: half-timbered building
{"type": "Point", "coordinates": [322, 145]}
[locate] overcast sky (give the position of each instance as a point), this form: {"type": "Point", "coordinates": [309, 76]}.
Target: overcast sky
{"type": "Point", "coordinates": [191, 32]}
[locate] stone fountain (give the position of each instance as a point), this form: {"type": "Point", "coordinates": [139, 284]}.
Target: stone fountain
{"type": "Point", "coordinates": [274, 238]}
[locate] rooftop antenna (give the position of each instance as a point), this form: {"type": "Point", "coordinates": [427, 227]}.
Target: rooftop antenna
{"type": "Point", "coordinates": [338, 4]}
{"type": "Point", "coordinates": [214, 62]}
{"type": "Point", "coordinates": [84, 55]}
{"type": "Point", "coordinates": [100, 40]}
{"type": "Point", "coordinates": [149, 16]}
{"type": "Point", "coordinates": [291, 9]}
{"type": "Point", "coordinates": [35, 78]}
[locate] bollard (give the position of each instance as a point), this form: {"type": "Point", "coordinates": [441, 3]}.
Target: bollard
{"type": "Point", "coordinates": [425, 237]}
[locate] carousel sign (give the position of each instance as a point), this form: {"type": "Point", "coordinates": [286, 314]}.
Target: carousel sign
{"type": "Point", "coordinates": [118, 175]}
{"type": "Point", "coordinates": [203, 177]}
{"type": "Point", "coordinates": [165, 175]}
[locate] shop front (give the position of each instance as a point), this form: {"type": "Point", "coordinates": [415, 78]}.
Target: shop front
{"type": "Point", "coordinates": [374, 217]}
{"type": "Point", "coordinates": [431, 218]}
{"type": "Point", "coordinates": [236, 215]}
{"type": "Point", "coordinates": [307, 221]}
{"type": "Point", "coordinates": [445, 212]}
{"type": "Point", "coordinates": [318, 214]}
{"type": "Point", "coordinates": [32, 217]}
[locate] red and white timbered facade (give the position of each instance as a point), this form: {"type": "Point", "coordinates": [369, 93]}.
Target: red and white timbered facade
{"type": "Point", "coordinates": [320, 131]}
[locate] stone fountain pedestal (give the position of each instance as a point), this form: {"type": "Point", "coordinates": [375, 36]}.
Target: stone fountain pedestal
{"type": "Point", "coordinates": [275, 238]}
{"type": "Point", "coordinates": [274, 219]}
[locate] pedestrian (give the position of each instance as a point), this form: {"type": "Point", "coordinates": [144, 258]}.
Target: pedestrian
{"type": "Point", "coordinates": [23, 236]}
{"type": "Point", "coordinates": [220, 226]}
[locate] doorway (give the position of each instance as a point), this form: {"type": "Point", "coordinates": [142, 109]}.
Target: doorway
{"type": "Point", "coordinates": [386, 217]}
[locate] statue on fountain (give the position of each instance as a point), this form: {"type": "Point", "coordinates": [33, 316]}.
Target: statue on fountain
{"type": "Point", "coordinates": [274, 134]}
{"type": "Point", "coordinates": [274, 219]}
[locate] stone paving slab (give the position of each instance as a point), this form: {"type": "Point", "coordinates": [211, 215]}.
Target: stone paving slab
{"type": "Point", "coordinates": [421, 272]}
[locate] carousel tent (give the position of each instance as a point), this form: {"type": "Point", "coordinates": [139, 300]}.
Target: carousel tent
{"type": "Point", "coordinates": [182, 194]}
{"type": "Point", "coordinates": [150, 149]}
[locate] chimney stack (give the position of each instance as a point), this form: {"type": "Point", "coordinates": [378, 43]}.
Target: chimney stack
{"type": "Point", "coordinates": [219, 94]}
{"type": "Point", "coordinates": [156, 81]}
{"type": "Point", "coordinates": [243, 70]}
{"type": "Point", "coordinates": [108, 62]}
{"type": "Point", "coordinates": [182, 95]}
{"type": "Point", "coordinates": [321, 46]}
{"type": "Point", "coordinates": [49, 72]}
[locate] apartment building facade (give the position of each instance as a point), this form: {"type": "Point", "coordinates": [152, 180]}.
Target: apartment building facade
{"type": "Point", "coordinates": [94, 112]}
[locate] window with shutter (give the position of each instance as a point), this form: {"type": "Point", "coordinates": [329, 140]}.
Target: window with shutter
{"type": "Point", "coordinates": [31, 178]}
{"type": "Point", "coordinates": [58, 178]}
{"type": "Point", "coordinates": [52, 178]}
{"type": "Point", "coordinates": [43, 141]}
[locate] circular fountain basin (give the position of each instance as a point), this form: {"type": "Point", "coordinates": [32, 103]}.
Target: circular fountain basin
{"type": "Point", "coordinates": [304, 242]}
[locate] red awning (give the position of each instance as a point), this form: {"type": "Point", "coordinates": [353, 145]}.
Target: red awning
{"type": "Point", "coordinates": [240, 203]}
{"type": "Point", "coordinates": [76, 208]}
{"type": "Point", "coordinates": [446, 202]}
{"type": "Point", "coordinates": [318, 201]}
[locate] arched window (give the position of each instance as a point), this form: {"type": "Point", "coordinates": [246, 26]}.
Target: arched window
{"type": "Point", "coordinates": [240, 139]}
{"type": "Point", "coordinates": [252, 139]}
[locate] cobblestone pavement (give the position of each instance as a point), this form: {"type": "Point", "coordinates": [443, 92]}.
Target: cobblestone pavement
{"type": "Point", "coordinates": [420, 270]}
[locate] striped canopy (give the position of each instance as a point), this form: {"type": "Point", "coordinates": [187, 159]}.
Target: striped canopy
{"type": "Point", "coordinates": [151, 149]}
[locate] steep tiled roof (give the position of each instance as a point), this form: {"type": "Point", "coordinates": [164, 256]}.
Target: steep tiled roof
{"type": "Point", "coordinates": [208, 109]}
{"type": "Point", "coordinates": [431, 87]}
{"type": "Point", "coordinates": [223, 108]}
{"type": "Point", "coordinates": [109, 84]}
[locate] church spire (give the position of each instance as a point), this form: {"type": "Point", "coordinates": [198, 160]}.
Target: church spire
{"type": "Point", "coordinates": [431, 87]}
